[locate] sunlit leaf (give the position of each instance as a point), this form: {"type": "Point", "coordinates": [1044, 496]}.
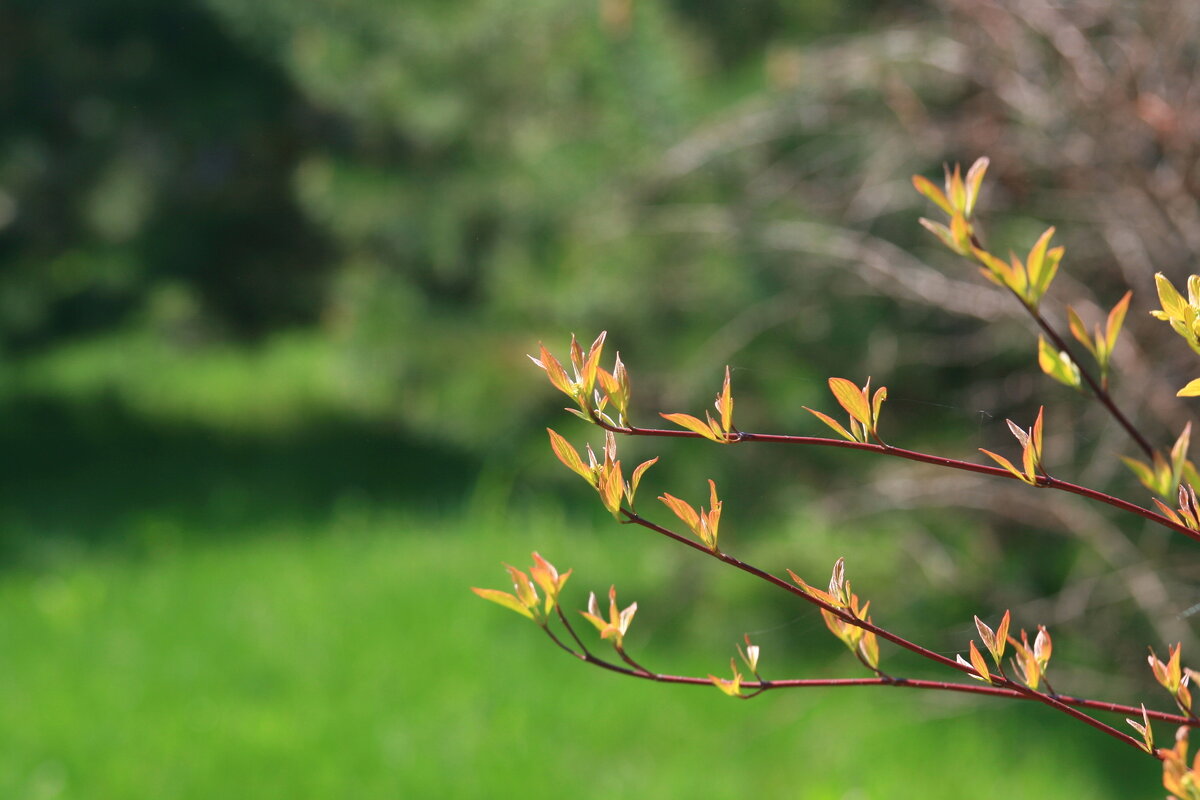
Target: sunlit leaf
{"type": "Point", "coordinates": [974, 180]}
{"type": "Point", "coordinates": [930, 190]}
{"type": "Point", "coordinates": [695, 425]}
{"type": "Point", "coordinates": [869, 647]}
{"type": "Point", "coordinates": [1057, 365]}
{"type": "Point", "coordinates": [1173, 305]}
{"type": "Point", "coordinates": [1116, 318]}
{"type": "Point", "coordinates": [1079, 331]}
{"type": "Point", "coordinates": [638, 472]}
{"type": "Point", "coordinates": [569, 456]}
{"type": "Point", "coordinates": [832, 423]}
{"type": "Point", "coordinates": [1036, 265]}
{"type": "Point", "coordinates": [1192, 389]}
{"type": "Point", "coordinates": [504, 599]}
{"type": "Point", "coordinates": [682, 510]}
{"type": "Point", "coordinates": [725, 404]}
{"type": "Point", "coordinates": [1004, 462]}
{"type": "Point", "coordinates": [851, 398]}
{"type": "Point", "coordinates": [612, 488]}
{"type": "Point", "coordinates": [979, 665]}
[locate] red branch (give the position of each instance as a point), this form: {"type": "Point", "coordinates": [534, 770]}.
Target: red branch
{"type": "Point", "coordinates": [1044, 481]}
{"type": "Point", "coordinates": [1017, 689]}
{"type": "Point", "coordinates": [904, 683]}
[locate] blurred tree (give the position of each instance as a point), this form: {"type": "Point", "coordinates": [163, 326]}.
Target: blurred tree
{"type": "Point", "coordinates": [142, 149]}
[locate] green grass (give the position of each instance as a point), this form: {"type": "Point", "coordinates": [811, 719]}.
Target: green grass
{"type": "Point", "coordinates": [221, 583]}
{"type": "Point", "coordinates": [347, 658]}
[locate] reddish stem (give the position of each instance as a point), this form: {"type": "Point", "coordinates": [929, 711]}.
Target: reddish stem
{"type": "Point", "coordinates": [910, 683]}
{"type": "Point", "coordinates": [1008, 685]}
{"type": "Point", "coordinates": [1098, 391]}
{"type": "Point", "coordinates": [1044, 481]}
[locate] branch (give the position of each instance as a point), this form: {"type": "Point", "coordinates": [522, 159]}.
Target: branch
{"type": "Point", "coordinates": [1006, 685]}
{"type": "Point", "coordinates": [1044, 481]}
{"type": "Point", "coordinates": [1101, 394]}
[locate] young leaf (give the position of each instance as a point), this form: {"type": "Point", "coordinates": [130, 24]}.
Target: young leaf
{"type": "Point", "coordinates": [1173, 305]}
{"type": "Point", "coordinates": [974, 181]}
{"type": "Point", "coordinates": [876, 405]}
{"type": "Point", "coordinates": [831, 422]}
{"type": "Point", "coordinates": [1008, 465]}
{"type": "Point", "coordinates": [733, 687]}
{"type": "Point", "coordinates": [612, 488]}
{"type": "Point", "coordinates": [1116, 318]}
{"type": "Point", "coordinates": [978, 664]}
{"type": "Point", "coordinates": [554, 370]}
{"type": "Point", "coordinates": [927, 188]}
{"type": "Point", "coordinates": [725, 404]}
{"type": "Point", "coordinates": [637, 478]}
{"type": "Point", "coordinates": [695, 425]}
{"type": "Point", "coordinates": [569, 456]}
{"type": "Point", "coordinates": [852, 399]}
{"type": "Point", "coordinates": [1040, 269]}
{"type": "Point", "coordinates": [682, 510]}
{"type": "Point", "coordinates": [1057, 365]}
{"type": "Point", "coordinates": [505, 599]}
{"type": "Point", "coordinates": [1079, 331]}
{"type": "Point", "coordinates": [868, 646]}
{"type": "Point", "coordinates": [1179, 453]}
{"type": "Point", "coordinates": [1145, 730]}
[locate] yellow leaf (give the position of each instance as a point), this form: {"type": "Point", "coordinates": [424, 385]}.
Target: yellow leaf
{"type": "Point", "coordinates": [1173, 305]}
{"type": "Point", "coordinates": [1057, 365]}
{"type": "Point", "coordinates": [876, 405]}
{"type": "Point", "coordinates": [1116, 318]}
{"type": "Point", "coordinates": [1191, 390]}
{"type": "Point", "coordinates": [831, 422]}
{"type": "Point", "coordinates": [612, 488]}
{"type": "Point", "coordinates": [1004, 462]}
{"type": "Point", "coordinates": [695, 425]}
{"type": "Point", "coordinates": [504, 599]}
{"type": "Point", "coordinates": [725, 405]}
{"type": "Point", "coordinates": [554, 371]}
{"type": "Point", "coordinates": [974, 180]}
{"type": "Point", "coordinates": [941, 231]}
{"type": "Point", "coordinates": [569, 456]}
{"type": "Point", "coordinates": [637, 477]}
{"type": "Point", "coordinates": [955, 190]}
{"type": "Point", "coordinates": [1079, 331]}
{"type": "Point", "coordinates": [682, 510]}
{"type": "Point", "coordinates": [869, 647]}
{"type": "Point", "coordinates": [927, 188]}
{"type": "Point", "coordinates": [979, 664]}
{"type": "Point", "coordinates": [851, 398]}
{"type": "Point", "coordinates": [1036, 264]}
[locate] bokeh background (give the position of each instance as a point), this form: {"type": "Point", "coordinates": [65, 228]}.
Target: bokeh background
{"type": "Point", "coordinates": [268, 273]}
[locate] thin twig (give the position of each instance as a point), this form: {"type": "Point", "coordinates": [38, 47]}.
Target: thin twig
{"type": "Point", "coordinates": [1044, 482]}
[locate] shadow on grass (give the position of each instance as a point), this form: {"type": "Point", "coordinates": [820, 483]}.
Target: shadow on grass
{"type": "Point", "coordinates": [81, 474]}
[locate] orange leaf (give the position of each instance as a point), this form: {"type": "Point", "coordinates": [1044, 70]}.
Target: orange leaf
{"type": "Point", "coordinates": [1079, 331]}
{"type": "Point", "coordinates": [1116, 318]}
{"type": "Point", "coordinates": [682, 510]}
{"type": "Point", "coordinates": [612, 488]}
{"type": "Point", "coordinates": [696, 426]}
{"type": "Point", "coordinates": [505, 599]}
{"type": "Point", "coordinates": [974, 180]}
{"type": "Point", "coordinates": [554, 370]}
{"type": "Point", "coordinates": [927, 188]}
{"type": "Point", "coordinates": [851, 398]}
{"type": "Point", "coordinates": [725, 404]}
{"type": "Point", "coordinates": [1004, 462]}
{"type": "Point", "coordinates": [831, 422]}
{"type": "Point", "coordinates": [569, 456]}
{"type": "Point", "coordinates": [637, 476]}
